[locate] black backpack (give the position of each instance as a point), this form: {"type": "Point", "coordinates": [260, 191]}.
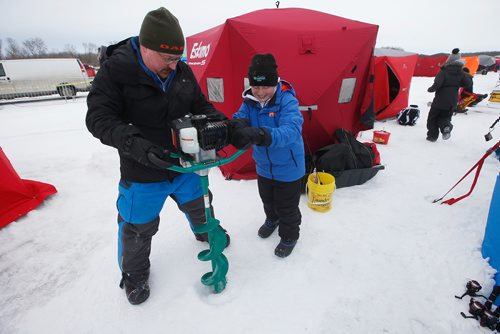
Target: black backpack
{"type": "Point", "coordinates": [409, 116]}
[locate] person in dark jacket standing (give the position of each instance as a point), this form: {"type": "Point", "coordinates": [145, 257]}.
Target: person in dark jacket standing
{"type": "Point", "coordinates": [135, 95]}
{"type": "Point", "coordinates": [270, 120]}
{"type": "Point", "coordinates": [446, 85]}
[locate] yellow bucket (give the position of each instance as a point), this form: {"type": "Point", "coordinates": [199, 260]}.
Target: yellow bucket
{"type": "Point", "coordinates": [319, 195]}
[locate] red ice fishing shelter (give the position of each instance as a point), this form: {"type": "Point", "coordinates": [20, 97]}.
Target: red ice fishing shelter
{"type": "Point", "coordinates": [429, 66]}
{"type": "Point", "coordinates": [18, 196]}
{"type": "Point", "coordinates": [393, 73]}
{"type": "Point", "coordinates": [327, 59]}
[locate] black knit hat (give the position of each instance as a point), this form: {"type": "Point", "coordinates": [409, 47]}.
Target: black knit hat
{"type": "Point", "coordinates": [262, 71]}
{"type": "Point", "coordinates": [160, 31]}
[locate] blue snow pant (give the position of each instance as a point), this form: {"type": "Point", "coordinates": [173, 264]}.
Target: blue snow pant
{"type": "Point", "coordinates": [139, 206]}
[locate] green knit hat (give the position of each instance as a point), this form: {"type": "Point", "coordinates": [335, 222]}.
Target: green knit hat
{"type": "Point", "coordinates": [160, 31]}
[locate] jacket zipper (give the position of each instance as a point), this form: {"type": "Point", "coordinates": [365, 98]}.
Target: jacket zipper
{"type": "Point", "coordinates": [270, 163]}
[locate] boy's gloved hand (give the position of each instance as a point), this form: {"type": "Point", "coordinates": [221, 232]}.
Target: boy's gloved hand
{"type": "Point", "coordinates": [243, 138]}
{"type": "Point", "coordinates": [237, 123]}
{"type": "Point", "coordinates": [138, 148]}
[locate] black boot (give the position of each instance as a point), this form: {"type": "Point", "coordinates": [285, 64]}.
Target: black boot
{"type": "Point", "coordinates": [267, 228]}
{"type": "Point", "coordinates": [203, 237]}
{"type": "Point", "coordinates": [285, 247]}
{"type": "Point", "coordinates": [136, 287]}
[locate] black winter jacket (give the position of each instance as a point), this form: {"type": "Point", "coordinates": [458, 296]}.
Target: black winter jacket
{"type": "Point", "coordinates": [125, 100]}
{"type": "Point", "coordinates": [446, 85]}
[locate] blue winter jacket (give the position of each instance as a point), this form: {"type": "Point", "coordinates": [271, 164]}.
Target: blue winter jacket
{"type": "Point", "coordinates": [283, 160]}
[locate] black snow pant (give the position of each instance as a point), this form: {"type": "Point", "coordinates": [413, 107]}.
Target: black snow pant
{"type": "Point", "coordinates": [437, 120]}
{"type": "Point", "coordinates": [281, 201]}
{"type": "Point", "coordinates": [135, 239]}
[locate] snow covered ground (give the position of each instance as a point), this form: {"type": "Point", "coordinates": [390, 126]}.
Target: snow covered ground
{"type": "Point", "coordinates": [383, 260]}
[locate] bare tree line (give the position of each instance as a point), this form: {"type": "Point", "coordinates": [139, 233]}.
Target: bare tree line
{"type": "Point", "coordinates": [36, 48]}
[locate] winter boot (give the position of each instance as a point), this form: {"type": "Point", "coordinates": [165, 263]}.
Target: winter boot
{"type": "Point", "coordinates": [268, 228]}
{"type": "Point", "coordinates": [447, 132]}
{"type": "Point", "coordinates": [203, 237]}
{"type": "Point", "coordinates": [431, 139]}
{"type": "Point", "coordinates": [285, 247]}
{"type": "Point", "coordinates": [136, 287]}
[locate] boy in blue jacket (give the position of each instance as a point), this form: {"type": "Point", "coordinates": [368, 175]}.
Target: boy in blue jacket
{"type": "Point", "coordinates": [270, 120]}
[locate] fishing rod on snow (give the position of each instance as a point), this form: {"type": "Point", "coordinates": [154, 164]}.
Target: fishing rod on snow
{"type": "Point", "coordinates": [482, 311]}
{"type": "Point", "coordinates": [472, 287]}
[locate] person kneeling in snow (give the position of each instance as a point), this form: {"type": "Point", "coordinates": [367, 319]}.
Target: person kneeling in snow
{"type": "Point", "coordinates": [270, 120]}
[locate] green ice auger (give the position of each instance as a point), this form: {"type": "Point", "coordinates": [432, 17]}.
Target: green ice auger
{"type": "Point", "coordinates": [216, 236]}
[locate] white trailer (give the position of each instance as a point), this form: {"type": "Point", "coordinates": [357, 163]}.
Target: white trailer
{"type": "Point", "coordinates": [36, 77]}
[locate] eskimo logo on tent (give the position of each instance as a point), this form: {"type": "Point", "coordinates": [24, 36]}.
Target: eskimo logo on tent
{"type": "Point", "coordinates": [199, 51]}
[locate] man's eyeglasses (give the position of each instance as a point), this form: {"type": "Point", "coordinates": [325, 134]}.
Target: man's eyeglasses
{"type": "Point", "coordinates": [169, 59]}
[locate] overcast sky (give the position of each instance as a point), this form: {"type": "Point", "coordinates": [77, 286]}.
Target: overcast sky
{"type": "Point", "coordinates": [423, 26]}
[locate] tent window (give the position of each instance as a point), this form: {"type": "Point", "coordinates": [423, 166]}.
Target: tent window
{"type": "Point", "coordinates": [246, 84]}
{"type": "Point", "coordinates": [347, 90]}
{"type": "Point", "coordinates": [2, 71]}
{"type": "Point", "coordinates": [215, 87]}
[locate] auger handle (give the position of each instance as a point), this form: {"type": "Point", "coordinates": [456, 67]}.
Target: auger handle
{"type": "Point", "coordinates": [219, 161]}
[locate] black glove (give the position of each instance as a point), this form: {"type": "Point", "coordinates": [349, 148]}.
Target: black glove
{"type": "Point", "coordinates": [138, 148]}
{"type": "Point", "coordinates": [235, 124]}
{"type": "Point", "coordinates": [243, 138]}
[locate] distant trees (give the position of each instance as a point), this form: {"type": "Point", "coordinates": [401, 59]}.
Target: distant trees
{"type": "Point", "coordinates": [392, 48]}
{"type": "Point", "coordinates": [13, 50]}
{"type": "Point", "coordinates": [36, 48]}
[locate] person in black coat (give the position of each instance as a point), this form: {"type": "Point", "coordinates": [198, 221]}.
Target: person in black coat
{"type": "Point", "coordinates": [468, 90]}
{"type": "Point", "coordinates": [446, 86]}
{"type": "Point", "coordinates": [138, 91]}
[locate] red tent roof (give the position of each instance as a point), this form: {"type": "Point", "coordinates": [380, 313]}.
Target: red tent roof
{"type": "Point", "coordinates": [429, 66]}
{"type": "Point", "coordinates": [326, 58]}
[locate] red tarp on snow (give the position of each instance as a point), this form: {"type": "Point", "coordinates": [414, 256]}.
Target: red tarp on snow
{"type": "Point", "coordinates": [18, 196]}
{"type": "Point", "coordinates": [393, 73]}
{"type": "Point", "coordinates": [429, 66]}
{"type": "Point", "coordinates": [328, 60]}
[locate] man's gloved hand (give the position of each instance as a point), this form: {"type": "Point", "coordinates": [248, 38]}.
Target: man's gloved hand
{"type": "Point", "coordinates": [243, 138]}
{"type": "Point", "coordinates": [138, 148]}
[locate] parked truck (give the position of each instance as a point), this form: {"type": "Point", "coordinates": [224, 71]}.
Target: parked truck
{"type": "Point", "coordinates": [37, 77]}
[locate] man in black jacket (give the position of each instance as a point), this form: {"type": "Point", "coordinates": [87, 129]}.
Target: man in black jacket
{"type": "Point", "coordinates": [135, 95]}
{"type": "Point", "coordinates": [446, 85]}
